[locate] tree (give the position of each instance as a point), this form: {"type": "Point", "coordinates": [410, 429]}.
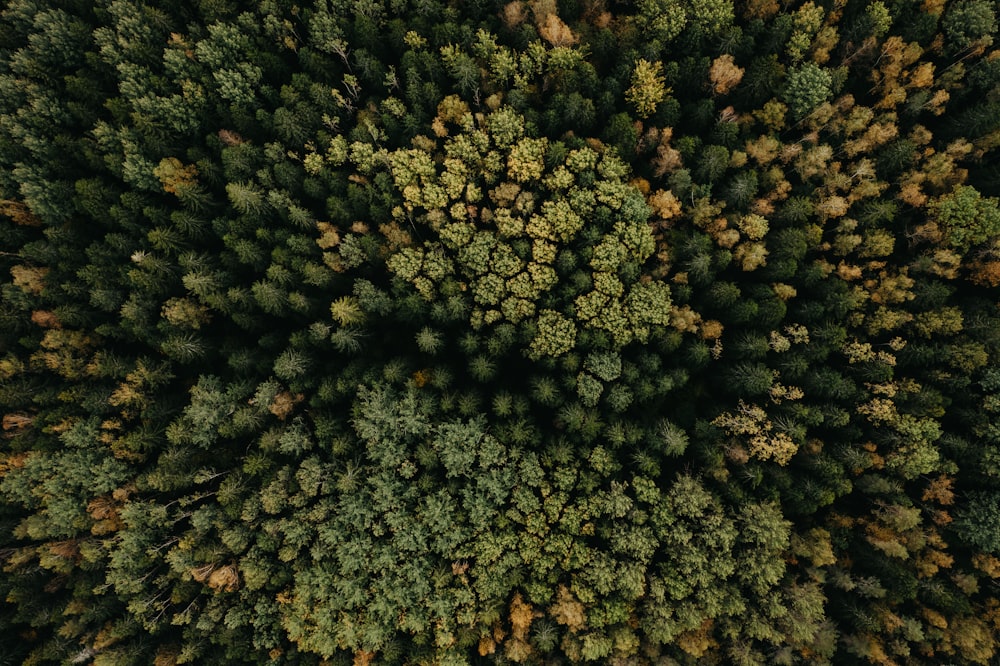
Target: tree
{"type": "Point", "coordinates": [806, 88]}
{"type": "Point", "coordinates": [677, 601]}
{"type": "Point", "coordinates": [711, 16]}
{"type": "Point", "coordinates": [662, 20]}
{"type": "Point", "coordinates": [967, 218]}
{"type": "Point", "coordinates": [969, 24]}
{"type": "Point", "coordinates": [648, 87]}
{"type": "Point", "coordinates": [764, 442]}
{"type": "Point", "coordinates": [724, 74]}
{"type": "Point", "coordinates": [976, 522]}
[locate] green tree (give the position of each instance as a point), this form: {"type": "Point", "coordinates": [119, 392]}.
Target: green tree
{"type": "Point", "coordinates": [969, 24]}
{"type": "Point", "coordinates": [976, 522]}
{"type": "Point", "coordinates": [662, 20]}
{"type": "Point", "coordinates": [711, 16]}
{"type": "Point", "coordinates": [648, 87]}
{"type": "Point", "coordinates": [806, 87]}
{"type": "Point", "coordinates": [967, 218]}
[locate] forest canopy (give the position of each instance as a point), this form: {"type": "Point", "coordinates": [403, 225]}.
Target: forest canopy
{"type": "Point", "coordinates": [482, 332]}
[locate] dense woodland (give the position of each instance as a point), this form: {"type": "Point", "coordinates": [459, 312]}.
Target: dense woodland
{"type": "Point", "coordinates": [471, 332]}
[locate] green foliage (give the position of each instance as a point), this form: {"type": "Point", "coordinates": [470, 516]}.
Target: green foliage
{"type": "Point", "coordinates": [969, 23]}
{"type": "Point", "coordinates": [505, 284]}
{"type": "Point", "coordinates": [978, 520]}
{"type": "Point", "coordinates": [712, 16]}
{"type": "Point", "coordinates": [662, 20]}
{"type": "Point", "coordinates": [806, 87]}
{"type": "Point", "coordinates": [967, 218]}
{"type": "Point", "coordinates": [537, 332]}
{"type": "Point", "coordinates": [556, 335]}
{"type": "Point", "coordinates": [648, 87]}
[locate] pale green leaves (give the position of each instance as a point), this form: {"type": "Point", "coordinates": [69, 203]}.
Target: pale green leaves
{"type": "Point", "coordinates": [648, 87]}
{"type": "Point", "coordinates": [806, 88]}
{"type": "Point", "coordinates": [505, 126]}
{"type": "Point", "coordinates": [967, 218]}
{"type": "Point", "coordinates": [526, 161]}
{"type": "Point", "coordinates": [556, 335]}
{"type": "Point", "coordinates": [504, 257]}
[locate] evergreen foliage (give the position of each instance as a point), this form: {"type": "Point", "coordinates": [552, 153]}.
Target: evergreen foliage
{"type": "Point", "coordinates": [422, 332]}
